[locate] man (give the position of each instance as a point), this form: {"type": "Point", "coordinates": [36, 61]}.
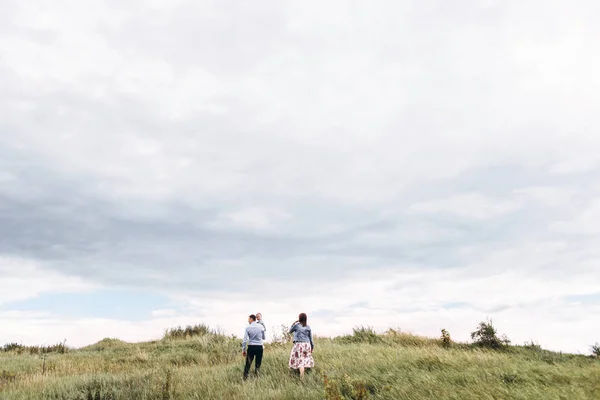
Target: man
{"type": "Point", "coordinates": [259, 320]}
{"type": "Point", "coordinates": [253, 338]}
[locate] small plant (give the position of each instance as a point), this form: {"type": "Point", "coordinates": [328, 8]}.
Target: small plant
{"type": "Point", "coordinates": [166, 389]}
{"type": "Point", "coordinates": [105, 344]}
{"type": "Point", "coordinates": [60, 348]}
{"type": "Point", "coordinates": [361, 334]}
{"type": "Point", "coordinates": [486, 336]}
{"type": "Point", "coordinates": [446, 339]}
{"type": "Point", "coordinates": [331, 390]}
{"type": "Point", "coordinates": [509, 378]}
{"type": "Point", "coordinates": [347, 388]}
{"type": "Point", "coordinates": [531, 345]}
{"type": "Point", "coordinates": [6, 377]}
{"type": "Point", "coordinates": [595, 350]}
{"type": "Point", "coordinates": [12, 347]}
{"type": "Point", "coordinates": [366, 334]}
{"type": "Point", "coordinates": [96, 389]}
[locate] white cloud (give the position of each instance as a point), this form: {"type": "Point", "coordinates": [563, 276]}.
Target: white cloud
{"type": "Point", "coordinates": [361, 148]}
{"type": "Point", "coordinates": [547, 195]}
{"type": "Point", "coordinates": [585, 223]}
{"type": "Point", "coordinates": [470, 205]}
{"type": "Point", "coordinates": [167, 312]}
{"type": "Point", "coordinates": [24, 279]}
{"type": "Point", "coordinates": [30, 329]}
{"type": "Point", "coordinates": [251, 218]}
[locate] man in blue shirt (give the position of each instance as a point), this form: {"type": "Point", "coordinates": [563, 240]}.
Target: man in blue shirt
{"type": "Point", "coordinates": [253, 343]}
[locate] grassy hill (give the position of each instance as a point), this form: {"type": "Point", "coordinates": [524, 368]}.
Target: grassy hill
{"type": "Point", "coordinates": [201, 364]}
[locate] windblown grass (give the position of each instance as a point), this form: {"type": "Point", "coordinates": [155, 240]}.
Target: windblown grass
{"type": "Point", "coordinates": [364, 365]}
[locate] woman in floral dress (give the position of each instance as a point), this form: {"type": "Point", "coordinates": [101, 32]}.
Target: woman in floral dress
{"type": "Point", "coordinates": [301, 356]}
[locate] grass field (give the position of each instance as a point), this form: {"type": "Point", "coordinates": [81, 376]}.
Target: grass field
{"type": "Point", "coordinates": [207, 365]}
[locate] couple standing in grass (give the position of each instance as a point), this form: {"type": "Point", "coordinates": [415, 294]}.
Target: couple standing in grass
{"type": "Point", "coordinates": [301, 355]}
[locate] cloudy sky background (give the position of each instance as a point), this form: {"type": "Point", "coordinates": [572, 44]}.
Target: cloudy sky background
{"type": "Point", "coordinates": [410, 164]}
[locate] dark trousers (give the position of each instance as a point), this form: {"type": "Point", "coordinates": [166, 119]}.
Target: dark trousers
{"type": "Point", "coordinates": [253, 351]}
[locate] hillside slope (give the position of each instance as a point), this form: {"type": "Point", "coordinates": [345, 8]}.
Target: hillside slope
{"type": "Point", "coordinates": [359, 366]}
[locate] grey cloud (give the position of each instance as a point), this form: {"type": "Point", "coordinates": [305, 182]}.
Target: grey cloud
{"type": "Point", "coordinates": [50, 217]}
{"type": "Point", "coordinates": [86, 240]}
{"type": "Point", "coordinates": [343, 123]}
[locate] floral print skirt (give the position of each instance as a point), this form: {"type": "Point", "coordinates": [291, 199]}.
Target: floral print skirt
{"type": "Point", "coordinates": [301, 356]}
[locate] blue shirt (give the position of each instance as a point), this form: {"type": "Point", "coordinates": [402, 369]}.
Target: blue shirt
{"type": "Point", "coordinates": [302, 334]}
{"type": "Point", "coordinates": [253, 336]}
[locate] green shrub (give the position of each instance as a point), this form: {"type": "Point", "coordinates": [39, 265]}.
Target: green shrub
{"type": "Point", "coordinates": [510, 378]}
{"type": "Point", "coordinates": [60, 348]}
{"type": "Point", "coordinates": [12, 347]}
{"type": "Point", "coordinates": [6, 377]}
{"type": "Point", "coordinates": [361, 334]}
{"type": "Point", "coordinates": [531, 345]}
{"type": "Point", "coordinates": [486, 336]}
{"type": "Point", "coordinates": [106, 344]}
{"type": "Point", "coordinates": [596, 349]}
{"type": "Point", "coordinates": [188, 332]}
{"type": "Point", "coordinates": [446, 339]}
{"type": "Point", "coordinates": [347, 388]}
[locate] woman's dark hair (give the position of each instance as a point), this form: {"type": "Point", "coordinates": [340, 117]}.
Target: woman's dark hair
{"type": "Point", "coordinates": [302, 319]}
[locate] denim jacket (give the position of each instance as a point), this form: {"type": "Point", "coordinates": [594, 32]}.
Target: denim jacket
{"type": "Point", "coordinates": [302, 334]}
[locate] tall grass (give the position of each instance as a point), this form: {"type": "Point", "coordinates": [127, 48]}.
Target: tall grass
{"type": "Point", "coordinates": [188, 332]}
{"type": "Point", "coordinates": [363, 365]}
{"type": "Point", "coordinates": [20, 349]}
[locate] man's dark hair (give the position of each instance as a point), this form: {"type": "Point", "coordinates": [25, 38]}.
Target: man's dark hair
{"type": "Point", "coordinates": [253, 317]}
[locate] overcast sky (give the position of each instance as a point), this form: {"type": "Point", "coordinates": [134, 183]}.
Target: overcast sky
{"type": "Point", "coordinates": [409, 164]}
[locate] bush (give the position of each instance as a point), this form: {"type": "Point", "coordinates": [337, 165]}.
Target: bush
{"type": "Point", "coordinates": [6, 377]}
{"type": "Point", "coordinates": [486, 336]}
{"type": "Point", "coordinates": [60, 348]}
{"type": "Point", "coordinates": [12, 347]}
{"type": "Point", "coordinates": [533, 346]}
{"type": "Point", "coordinates": [510, 378]}
{"type": "Point", "coordinates": [347, 388]}
{"type": "Point", "coordinates": [596, 349]}
{"type": "Point", "coordinates": [105, 344]}
{"type": "Point", "coordinates": [446, 339]}
{"type": "Point", "coordinates": [361, 334]}
{"type": "Point", "coordinates": [187, 332]}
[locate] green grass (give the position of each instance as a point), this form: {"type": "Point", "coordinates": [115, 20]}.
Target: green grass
{"type": "Point", "coordinates": [207, 365]}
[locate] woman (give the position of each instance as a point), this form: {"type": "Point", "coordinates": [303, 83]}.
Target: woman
{"type": "Point", "coordinates": [301, 356]}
